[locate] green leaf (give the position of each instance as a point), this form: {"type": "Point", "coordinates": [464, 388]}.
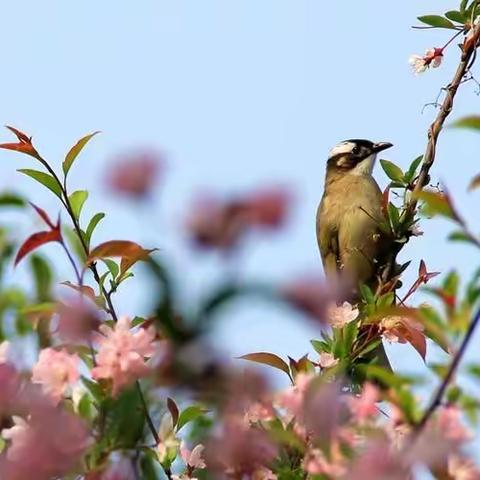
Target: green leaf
{"type": "Point", "coordinates": [436, 21]}
{"type": "Point", "coordinates": [393, 215]}
{"type": "Point", "coordinates": [393, 172]}
{"type": "Point", "coordinates": [451, 283]}
{"type": "Point", "coordinates": [320, 346]}
{"type": "Point", "coordinates": [74, 152]}
{"type": "Point", "coordinates": [45, 179]}
{"type": "Point", "coordinates": [43, 277]}
{"type": "Point", "coordinates": [11, 200]}
{"type": "Point", "coordinates": [189, 415]}
{"type": "Point", "coordinates": [456, 16]}
{"type": "Point", "coordinates": [472, 122]}
{"type": "Point", "coordinates": [410, 174]}
{"type": "Point", "coordinates": [463, 6]}
{"type": "Point", "coordinates": [367, 294]}
{"type": "Point", "coordinates": [93, 224]}
{"type": "Point", "coordinates": [112, 266]}
{"type": "Point", "coordinates": [460, 236]}
{"type": "Point", "coordinates": [437, 204]}
{"type": "Point", "coordinates": [266, 358]}
{"type": "Point", "coordinates": [77, 200]}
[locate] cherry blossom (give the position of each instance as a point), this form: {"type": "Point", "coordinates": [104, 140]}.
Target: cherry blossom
{"type": "Point", "coordinates": [56, 370]}
{"type": "Point", "coordinates": [192, 458]}
{"type": "Point", "coordinates": [122, 352]}
{"type": "Point", "coordinates": [363, 406]}
{"type": "Point", "coordinates": [432, 58]}
{"type": "Point", "coordinates": [327, 360]}
{"type": "Point", "coordinates": [339, 316]}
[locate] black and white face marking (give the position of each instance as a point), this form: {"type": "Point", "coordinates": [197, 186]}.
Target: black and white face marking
{"type": "Point", "coordinates": [356, 156]}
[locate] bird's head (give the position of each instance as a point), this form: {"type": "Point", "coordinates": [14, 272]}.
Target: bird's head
{"type": "Point", "coordinates": [355, 156]}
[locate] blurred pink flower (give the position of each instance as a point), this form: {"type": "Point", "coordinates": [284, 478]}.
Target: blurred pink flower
{"type": "Point", "coordinates": [239, 449]}
{"type": "Point", "coordinates": [4, 350]}
{"type": "Point", "coordinates": [460, 468]}
{"type": "Point", "coordinates": [339, 316]}
{"type": "Point", "coordinates": [122, 352]}
{"type": "Point", "coordinates": [56, 370]}
{"type": "Point", "coordinates": [433, 58]}
{"type": "Point", "coordinates": [449, 422]}
{"type": "Point", "coordinates": [259, 411]}
{"type": "Point", "coordinates": [263, 473]}
{"type": "Point", "coordinates": [395, 328]}
{"type": "Point", "coordinates": [327, 360]}
{"type": "Point", "coordinates": [311, 296]}
{"type": "Point", "coordinates": [119, 469]}
{"type": "Point", "coordinates": [45, 446]}
{"type": "Point", "coordinates": [77, 321]}
{"type": "Point", "coordinates": [364, 406]}
{"type": "Point", "coordinates": [267, 207]}
{"type": "Point", "coordinates": [292, 399]}
{"type": "Point", "coordinates": [213, 224]}
{"type": "Point", "coordinates": [135, 174]}
{"type": "Point", "coordinates": [192, 458]}
{"type": "Point", "coordinates": [378, 462]}
{"type": "Point", "coordinates": [221, 224]}
{"type": "Point", "coordinates": [316, 463]}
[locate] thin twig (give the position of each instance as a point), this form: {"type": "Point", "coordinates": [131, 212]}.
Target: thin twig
{"type": "Point", "coordinates": [438, 397]}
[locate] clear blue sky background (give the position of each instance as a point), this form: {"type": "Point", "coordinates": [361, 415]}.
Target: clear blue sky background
{"type": "Point", "coordinates": [239, 94]}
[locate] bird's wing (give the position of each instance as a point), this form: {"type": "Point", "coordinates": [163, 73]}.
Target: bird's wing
{"type": "Point", "coordinates": [359, 244]}
{"type": "Point", "coordinates": [327, 238]}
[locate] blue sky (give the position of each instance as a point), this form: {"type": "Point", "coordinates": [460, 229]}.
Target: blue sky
{"type": "Point", "coordinates": [239, 94]}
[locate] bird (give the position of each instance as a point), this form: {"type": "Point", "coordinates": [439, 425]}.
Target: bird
{"type": "Point", "coordinates": [350, 241]}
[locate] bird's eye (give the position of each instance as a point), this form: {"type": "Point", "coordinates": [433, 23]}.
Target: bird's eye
{"type": "Point", "coordinates": [355, 150]}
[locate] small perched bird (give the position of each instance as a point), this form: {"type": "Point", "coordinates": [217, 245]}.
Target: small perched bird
{"type": "Point", "coordinates": [348, 217]}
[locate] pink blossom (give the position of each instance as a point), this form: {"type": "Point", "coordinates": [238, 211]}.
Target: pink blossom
{"type": "Point", "coordinates": [364, 406]}
{"type": "Point", "coordinates": [460, 468]}
{"type": "Point", "coordinates": [239, 449]}
{"type": "Point", "coordinates": [327, 360]}
{"type": "Point", "coordinates": [316, 463]}
{"type": "Point", "coordinates": [311, 296]}
{"type": "Point", "coordinates": [267, 208]}
{"type": "Point", "coordinates": [4, 351]}
{"type": "Point", "coordinates": [259, 411]}
{"type": "Point", "coordinates": [433, 58]}
{"type": "Point", "coordinates": [449, 422]}
{"type": "Point", "coordinates": [119, 469]}
{"type": "Point", "coordinates": [167, 447]}
{"type": "Point", "coordinates": [56, 370]}
{"type": "Point", "coordinates": [135, 174]}
{"type": "Point", "coordinates": [339, 316]}
{"type": "Point", "coordinates": [122, 352]}
{"type": "Point", "coordinates": [192, 458]}
{"type": "Point", "coordinates": [46, 445]}
{"type": "Point", "coordinates": [263, 473]}
{"type": "Point", "coordinates": [293, 397]}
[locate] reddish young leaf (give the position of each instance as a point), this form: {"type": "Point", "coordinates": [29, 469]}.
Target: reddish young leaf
{"type": "Point", "coordinates": [117, 248]}
{"type": "Point", "coordinates": [43, 215]}
{"type": "Point", "coordinates": [417, 339]}
{"type": "Point", "coordinates": [36, 240]}
{"type": "Point", "coordinates": [85, 289]}
{"type": "Point", "coordinates": [129, 261]}
{"type": "Point", "coordinates": [173, 409]}
{"type": "Point", "coordinates": [24, 144]}
{"type": "Point", "coordinates": [266, 358]}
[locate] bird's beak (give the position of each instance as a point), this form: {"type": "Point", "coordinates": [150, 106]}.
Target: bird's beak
{"type": "Point", "coordinates": [380, 146]}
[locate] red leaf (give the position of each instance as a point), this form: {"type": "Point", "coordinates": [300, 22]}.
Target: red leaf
{"type": "Point", "coordinates": [422, 269]}
{"type": "Point", "coordinates": [43, 215]}
{"type": "Point", "coordinates": [173, 409]}
{"type": "Point", "coordinates": [85, 289]}
{"type": "Point", "coordinates": [24, 144]}
{"type": "Point", "coordinates": [36, 240]}
{"type": "Point", "coordinates": [385, 201]}
{"type": "Point", "coordinates": [417, 339]}
{"type": "Point", "coordinates": [266, 358]}
{"type": "Point", "coordinates": [118, 248]}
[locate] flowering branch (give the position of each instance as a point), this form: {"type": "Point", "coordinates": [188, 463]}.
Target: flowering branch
{"type": "Point", "coordinates": [468, 57]}
{"type": "Point", "coordinates": [437, 399]}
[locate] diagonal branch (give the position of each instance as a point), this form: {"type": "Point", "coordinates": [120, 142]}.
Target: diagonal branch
{"type": "Point", "coordinates": [468, 57]}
